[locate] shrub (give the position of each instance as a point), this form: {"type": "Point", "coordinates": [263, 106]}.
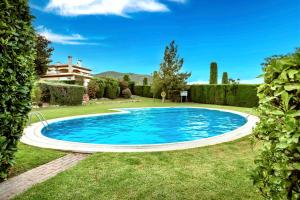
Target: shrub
{"type": "Point", "coordinates": [126, 93]}
{"type": "Point", "coordinates": [102, 86]}
{"type": "Point", "coordinates": [17, 55]}
{"type": "Point", "coordinates": [93, 89]}
{"type": "Point", "coordinates": [277, 172]}
{"type": "Point", "coordinates": [112, 89]}
{"type": "Point", "coordinates": [61, 94]}
{"type": "Point", "coordinates": [233, 95]}
{"type": "Point", "coordinates": [213, 73]}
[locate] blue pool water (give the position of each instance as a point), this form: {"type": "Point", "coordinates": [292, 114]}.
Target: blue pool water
{"type": "Point", "coordinates": [146, 126]}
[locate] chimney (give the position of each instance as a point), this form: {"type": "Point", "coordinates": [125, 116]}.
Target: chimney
{"type": "Point", "coordinates": [70, 65]}
{"type": "Point", "coordinates": [79, 63]}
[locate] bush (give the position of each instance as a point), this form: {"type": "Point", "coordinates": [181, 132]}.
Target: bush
{"type": "Point", "coordinates": [233, 95]}
{"type": "Point", "coordinates": [93, 89]}
{"type": "Point", "coordinates": [17, 55]}
{"type": "Point", "coordinates": [102, 86]}
{"type": "Point", "coordinates": [112, 89]}
{"type": "Point", "coordinates": [277, 172]}
{"type": "Point", "coordinates": [126, 93]}
{"type": "Point", "coordinates": [61, 94]}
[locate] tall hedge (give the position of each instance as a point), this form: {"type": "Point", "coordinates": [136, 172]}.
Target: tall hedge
{"type": "Point", "coordinates": [233, 95]}
{"type": "Point", "coordinates": [225, 79]}
{"type": "Point", "coordinates": [61, 94]}
{"type": "Point", "coordinates": [277, 172]}
{"type": "Point", "coordinates": [17, 55]}
{"type": "Point", "coordinates": [145, 91]}
{"type": "Point", "coordinates": [213, 79]}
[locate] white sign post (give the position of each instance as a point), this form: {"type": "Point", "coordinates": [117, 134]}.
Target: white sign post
{"type": "Point", "coordinates": [183, 94]}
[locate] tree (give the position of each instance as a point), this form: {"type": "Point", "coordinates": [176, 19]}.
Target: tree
{"type": "Point", "coordinates": [126, 78]}
{"type": "Point", "coordinates": [171, 77]}
{"type": "Point", "coordinates": [156, 84]}
{"type": "Point", "coordinates": [43, 54]}
{"type": "Point", "coordinates": [277, 172]}
{"type": "Point", "coordinates": [213, 73]}
{"type": "Point", "coordinates": [17, 55]}
{"type": "Point", "coordinates": [225, 78]}
{"type": "Point", "coordinates": [145, 81]}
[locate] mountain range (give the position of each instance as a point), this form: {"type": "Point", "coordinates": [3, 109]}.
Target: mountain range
{"type": "Point", "coordinates": [137, 78]}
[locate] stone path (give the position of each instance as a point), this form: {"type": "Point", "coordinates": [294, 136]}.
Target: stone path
{"type": "Point", "coordinates": [20, 183]}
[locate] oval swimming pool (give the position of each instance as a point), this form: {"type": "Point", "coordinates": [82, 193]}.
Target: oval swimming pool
{"type": "Point", "coordinates": [146, 126]}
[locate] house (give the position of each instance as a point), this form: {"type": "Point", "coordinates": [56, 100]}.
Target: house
{"type": "Point", "coordinates": [68, 71]}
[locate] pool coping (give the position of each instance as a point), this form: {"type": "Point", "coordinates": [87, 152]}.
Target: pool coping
{"type": "Point", "coordinates": [33, 136]}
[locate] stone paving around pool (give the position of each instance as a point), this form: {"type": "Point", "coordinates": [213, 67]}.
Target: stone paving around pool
{"type": "Point", "coordinates": [22, 182]}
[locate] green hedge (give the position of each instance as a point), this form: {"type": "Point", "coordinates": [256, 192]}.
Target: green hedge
{"type": "Point", "coordinates": [234, 95]}
{"type": "Point", "coordinates": [17, 55]}
{"type": "Point", "coordinates": [242, 95]}
{"type": "Point", "coordinates": [61, 94]}
{"type": "Point", "coordinates": [143, 90]}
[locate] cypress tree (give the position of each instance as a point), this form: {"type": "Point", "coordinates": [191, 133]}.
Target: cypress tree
{"type": "Point", "coordinates": [225, 78]}
{"type": "Point", "coordinates": [213, 73]}
{"type": "Point", "coordinates": [126, 78]}
{"type": "Point", "coordinates": [145, 81]}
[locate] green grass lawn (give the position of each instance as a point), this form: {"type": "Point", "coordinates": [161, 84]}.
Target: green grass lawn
{"type": "Point", "coordinates": [214, 172]}
{"type": "Point", "coordinates": [29, 157]}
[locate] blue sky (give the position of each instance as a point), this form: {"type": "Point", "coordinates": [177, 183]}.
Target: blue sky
{"type": "Point", "coordinates": [130, 35]}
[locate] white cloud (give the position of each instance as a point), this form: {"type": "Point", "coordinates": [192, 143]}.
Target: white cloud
{"type": "Point", "coordinates": [73, 39]}
{"type": "Point", "coordinates": [106, 7]}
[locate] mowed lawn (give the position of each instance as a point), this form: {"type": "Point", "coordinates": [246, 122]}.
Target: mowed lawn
{"type": "Point", "coordinates": [214, 172]}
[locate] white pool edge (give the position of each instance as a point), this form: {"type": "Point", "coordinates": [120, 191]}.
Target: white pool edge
{"type": "Point", "coordinates": [33, 136]}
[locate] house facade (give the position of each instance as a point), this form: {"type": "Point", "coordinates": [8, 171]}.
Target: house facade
{"type": "Point", "coordinates": [68, 71]}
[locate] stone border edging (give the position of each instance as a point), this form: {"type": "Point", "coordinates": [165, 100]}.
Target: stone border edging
{"type": "Point", "coordinates": [33, 136]}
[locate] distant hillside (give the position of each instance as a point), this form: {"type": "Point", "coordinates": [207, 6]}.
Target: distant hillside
{"type": "Point", "coordinates": [137, 78]}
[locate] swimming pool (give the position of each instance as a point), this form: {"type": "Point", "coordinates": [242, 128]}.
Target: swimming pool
{"type": "Point", "coordinates": [146, 126]}
{"type": "Point", "coordinates": [141, 129]}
